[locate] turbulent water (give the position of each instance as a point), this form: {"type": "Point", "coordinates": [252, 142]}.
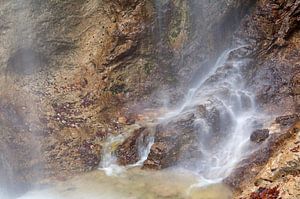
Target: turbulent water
{"type": "Point", "coordinates": [224, 142]}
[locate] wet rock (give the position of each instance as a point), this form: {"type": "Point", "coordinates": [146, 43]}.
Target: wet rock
{"type": "Point", "coordinates": [247, 169]}
{"type": "Point", "coordinates": [287, 120]}
{"type": "Point", "coordinates": [259, 136]}
{"type": "Point", "coordinates": [128, 152]}
{"type": "Point", "coordinates": [172, 139]}
{"type": "Point", "coordinates": [162, 155]}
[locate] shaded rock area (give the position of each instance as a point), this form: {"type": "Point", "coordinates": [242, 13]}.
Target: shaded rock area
{"type": "Point", "coordinates": [259, 135]}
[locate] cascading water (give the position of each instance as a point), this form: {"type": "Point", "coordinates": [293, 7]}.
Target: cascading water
{"type": "Point", "coordinates": [24, 62]}
{"type": "Point", "coordinates": [223, 142]}
{"type": "Point", "coordinates": [109, 162]}
{"type": "Point", "coordinates": [159, 17]}
{"type": "Point", "coordinates": [226, 142]}
{"type": "Point", "coordinates": [222, 90]}
{"type": "Point", "coordinates": [225, 115]}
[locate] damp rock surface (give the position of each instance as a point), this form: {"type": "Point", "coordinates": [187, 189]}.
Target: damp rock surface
{"type": "Point", "coordinates": [259, 136]}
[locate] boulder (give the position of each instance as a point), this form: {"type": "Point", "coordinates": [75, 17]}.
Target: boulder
{"type": "Point", "coordinates": [259, 136]}
{"type": "Point", "coordinates": [171, 139]}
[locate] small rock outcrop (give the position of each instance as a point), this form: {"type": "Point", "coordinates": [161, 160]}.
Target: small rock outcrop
{"type": "Point", "coordinates": [259, 136]}
{"type": "Point", "coordinates": [128, 152]}
{"type": "Point", "coordinates": [173, 140]}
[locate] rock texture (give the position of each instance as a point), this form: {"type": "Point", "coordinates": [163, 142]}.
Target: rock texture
{"type": "Point", "coordinates": [74, 72]}
{"type": "Point", "coordinates": [272, 32]}
{"type": "Point", "coordinates": [281, 171]}
{"type": "Point", "coordinates": [260, 135]}
{"type": "Point", "coordinates": [67, 68]}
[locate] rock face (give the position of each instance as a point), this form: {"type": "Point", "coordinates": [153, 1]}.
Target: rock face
{"type": "Point", "coordinates": [272, 31]}
{"type": "Point", "coordinates": [66, 70]}
{"type": "Point", "coordinates": [280, 171]}
{"type": "Point", "coordinates": [71, 70]}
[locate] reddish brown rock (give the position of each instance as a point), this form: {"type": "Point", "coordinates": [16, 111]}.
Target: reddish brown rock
{"type": "Point", "coordinates": [128, 151]}
{"type": "Point", "coordinates": [173, 140]}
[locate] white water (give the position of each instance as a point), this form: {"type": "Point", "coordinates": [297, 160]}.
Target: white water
{"type": "Point", "coordinates": [109, 160]}
{"type": "Point", "coordinates": [222, 89]}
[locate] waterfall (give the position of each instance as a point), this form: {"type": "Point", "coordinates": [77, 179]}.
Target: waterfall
{"type": "Point", "coordinates": [221, 90]}
{"type": "Point", "coordinates": [109, 163]}
{"type": "Point", "coordinates": [224, 116]}
{"type": "Point", "coordinates": [159, 17]}
{"type": "Point", "coordinates": [223, 137]}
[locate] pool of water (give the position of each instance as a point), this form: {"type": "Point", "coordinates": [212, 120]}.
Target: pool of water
{"type": "Point", "coordinates": [132, 184]}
